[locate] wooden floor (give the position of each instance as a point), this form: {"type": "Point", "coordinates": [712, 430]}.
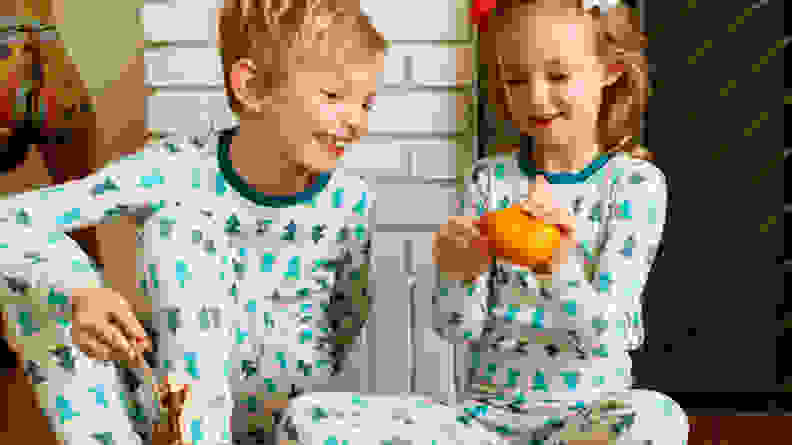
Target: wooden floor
{"type": "Point", "coordinates": [21, 421]}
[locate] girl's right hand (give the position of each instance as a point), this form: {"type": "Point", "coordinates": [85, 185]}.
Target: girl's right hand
{"type": "Point", "coordinates": [105, 328]}
{"type": "Point", "coordinates": [459, 250]}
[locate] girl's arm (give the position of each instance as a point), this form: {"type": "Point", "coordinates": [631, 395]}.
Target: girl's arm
{"type": "Point", "coordinates": [606, 307]}
{"type": "Point", "coordinates": [459, 307]}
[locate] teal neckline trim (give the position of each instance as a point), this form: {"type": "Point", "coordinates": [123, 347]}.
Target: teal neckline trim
{"type": "Point", "coordinates": [529, 169]}
{"type": "Point", "coordinates": [248, 192]}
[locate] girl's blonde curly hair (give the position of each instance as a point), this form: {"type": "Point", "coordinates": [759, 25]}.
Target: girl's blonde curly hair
{"type": "Point", "coordinates": [272, 31]}
{"type": "Point", "coordinates": [619, 41]}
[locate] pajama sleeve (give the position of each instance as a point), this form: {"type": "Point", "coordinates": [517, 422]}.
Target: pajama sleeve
{"type": "Point", "coordinates": [188, 281]}
{"type": "Point", "coordinates": [460, 308]}
{"type": "Point", "coordinates": [606, 311]}
{"type": "Point", "coordinates": [132, 184]}
{"type": "Point", "coordinates": [349, 302]}
{"type": "Point", "coordinates": [34, 247]}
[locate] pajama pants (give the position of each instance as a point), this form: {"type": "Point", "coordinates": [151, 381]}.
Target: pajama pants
{"type": "Point", "coordinates": [634, 417]}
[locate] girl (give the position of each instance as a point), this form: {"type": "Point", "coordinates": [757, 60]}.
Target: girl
{"type": "Point", "coordinates": [549, 360]}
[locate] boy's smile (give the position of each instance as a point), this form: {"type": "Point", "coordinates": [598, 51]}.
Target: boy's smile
{"type": "Point", "coordinates": [302, 127]}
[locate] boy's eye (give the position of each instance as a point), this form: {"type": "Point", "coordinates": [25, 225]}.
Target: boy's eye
{"type": "Point", "coordinates": [330, 95]}
{"type": "Point", "coordinates": [558, 77]}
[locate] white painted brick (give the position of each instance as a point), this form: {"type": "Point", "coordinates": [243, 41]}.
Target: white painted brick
{"type": "Point", "coordinates": [178, 66]}
{"type": "Point", "coordinates": [433, 65]}
{"type": "Point", "coordinates": [181, 21]}
{"type": "Point", "coordinates": [414, 203]}
{"type": "Point", "coordinates": [390, 350]}
{"type": "Point", "coordinates": [411, 113]}
{"type": "Point", "coordinates": [428, 20]}
{"type": "Point", "coordinates": [197, 66]}
{"type": "Point", "coordinates": [187, 113]}
{"type": "Point", "coordinates": [435, 159]}
{"type": "Point", "coordinates": [383, 158]}
{"type": "Point", "coordinates": [393, 73]}
{"type": "Point", "coordinates": [425, 112]}
{"type": "Point", "coordinates": [418, 19]}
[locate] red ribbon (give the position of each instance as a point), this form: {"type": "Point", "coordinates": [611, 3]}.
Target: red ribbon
{"type": "Point", "coordinates": [479, 11]}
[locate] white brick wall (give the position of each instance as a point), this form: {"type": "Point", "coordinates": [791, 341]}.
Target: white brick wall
{"type": "Point", "coordinates": [409, 146]}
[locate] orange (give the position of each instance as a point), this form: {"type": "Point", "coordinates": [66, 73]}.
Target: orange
{"type": "Point", "coordinates": [520, 238]}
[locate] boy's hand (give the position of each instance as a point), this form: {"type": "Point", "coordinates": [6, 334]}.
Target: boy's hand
{"type": "Point", "coordinates": [104, 326]}
{"type": "Point", "coordinates": [173, 398]}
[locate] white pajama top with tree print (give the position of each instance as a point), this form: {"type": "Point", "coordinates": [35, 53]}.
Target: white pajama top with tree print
{"type": "Point", "coordinates": [248, 291]}
{"type": "Point", "coordinates": [562, 340]}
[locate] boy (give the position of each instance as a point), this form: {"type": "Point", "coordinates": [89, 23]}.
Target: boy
{"type": "Point", "coordinates": [251, 241]}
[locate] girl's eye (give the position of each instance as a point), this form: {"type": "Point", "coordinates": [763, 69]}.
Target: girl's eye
{"type": "Point", "coordinates": [558, 77]}
{"type": "Point", "coordinates": [330, 95]}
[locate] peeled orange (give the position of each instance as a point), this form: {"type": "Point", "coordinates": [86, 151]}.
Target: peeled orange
{"type": "Point", "coordinates": [519, 237]}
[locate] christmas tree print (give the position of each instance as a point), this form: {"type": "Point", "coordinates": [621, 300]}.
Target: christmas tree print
{"type": "Point", "coordinates": [317, 233]}
{"type": "Point", "coordinates": [577, 206]}
{"type": "Point", "coordinates": [232, 224]}
{"type": "Point", "coordinates": [637, 178]}
{"type": "Point", "coordinates": [360, 207]}
{"type": "Point", "coordinates": [629, 245]}
{"type": "Point", "coordinates": [149, 181]}
{"type": "Point", "coordinates": [263, 226]}
{"type": "Point", "coordinates": [166, 227]}
{"type": "Point", "coordinates": [23, 218]}
{"type": "Point", "coordinates": [107, 186]}
{"type": "Point", "coordinates": [290, 230]}
{"type": "Point", "coordinates": [596, 213]}
{"type": "Point", "coordinates": [504, 203]}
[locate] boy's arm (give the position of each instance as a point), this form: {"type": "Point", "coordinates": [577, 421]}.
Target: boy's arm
{"type": "Point", "coordinates": [130, 184]}
{"type": "Point", "coordinates": [191, 327]}
{"type": "Point", "coordinates": [350, 302]}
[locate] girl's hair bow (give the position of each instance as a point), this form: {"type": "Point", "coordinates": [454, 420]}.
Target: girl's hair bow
{"type": "Point", "coordinates": [480, 9]}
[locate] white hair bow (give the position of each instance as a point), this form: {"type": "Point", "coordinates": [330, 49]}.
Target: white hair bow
{"type": "Point", "coordinates": [604, 5]}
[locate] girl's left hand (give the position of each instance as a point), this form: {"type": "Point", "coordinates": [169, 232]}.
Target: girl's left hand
{"type": "Point", "coordinates": [539, 203]}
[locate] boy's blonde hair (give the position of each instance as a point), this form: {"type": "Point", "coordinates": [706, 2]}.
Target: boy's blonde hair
{"type": "Point", "coordinates": [619, 40]}
{"type": "Point", "coordinates": [271, 31]}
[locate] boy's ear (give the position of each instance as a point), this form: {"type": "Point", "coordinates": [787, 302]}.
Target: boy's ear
{"type": "Point", "coordinates": [242, 74]}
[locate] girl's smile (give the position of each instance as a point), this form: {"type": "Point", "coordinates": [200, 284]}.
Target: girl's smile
{"type": "Point", "coordinates": [544, 121]}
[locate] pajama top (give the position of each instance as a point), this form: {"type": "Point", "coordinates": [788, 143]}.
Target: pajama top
{"type": "Point", "coordinates": [250, 292]}
{"type": "Point", "coordinates": [563, 339]}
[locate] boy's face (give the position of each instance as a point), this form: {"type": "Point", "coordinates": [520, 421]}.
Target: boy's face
{"type": "Point", "coordinates": [324, 103]}
{"type": "Point", "coordinates": [550, 70]}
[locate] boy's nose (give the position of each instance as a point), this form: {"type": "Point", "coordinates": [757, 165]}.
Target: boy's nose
{"type": "Point", "coordinates": [349, 131]}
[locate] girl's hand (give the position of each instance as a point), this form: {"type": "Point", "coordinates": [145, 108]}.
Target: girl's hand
{"type": "Point", "coordinates": [459, 250]}
{"type": "Point", "coordinates": [539, 203]}
{"type": "Point", "coordinates": [104, 327]}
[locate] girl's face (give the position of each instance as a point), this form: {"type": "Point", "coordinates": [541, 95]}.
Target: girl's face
{"type": "Point", "coordinates": [551, 76]}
